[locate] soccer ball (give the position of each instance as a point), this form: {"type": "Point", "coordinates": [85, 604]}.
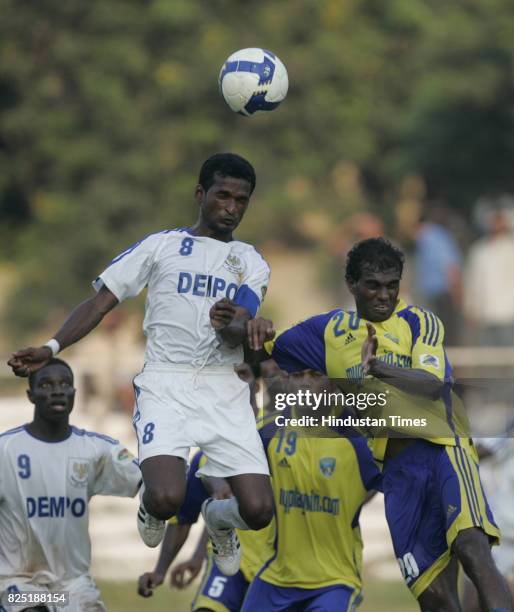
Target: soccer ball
{"type": "Point", "coordinates": [253, 80]}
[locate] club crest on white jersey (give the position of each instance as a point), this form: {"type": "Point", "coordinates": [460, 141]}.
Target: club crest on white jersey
{"type": "Point", "coordinates": [78, 471]}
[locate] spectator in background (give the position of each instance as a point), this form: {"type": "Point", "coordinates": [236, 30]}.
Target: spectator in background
{"type": "Point", "coordinates": [438, 271]}
{"type": "Point", "coordinates": [489, 282]}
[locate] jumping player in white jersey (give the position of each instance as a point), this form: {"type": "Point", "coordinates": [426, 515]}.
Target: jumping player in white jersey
{"type": "Point", "coordinates": [188, 393]}
{"type": "Point", "coordinates": [50, 471]}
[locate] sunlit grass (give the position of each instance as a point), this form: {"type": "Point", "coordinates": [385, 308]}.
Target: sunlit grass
{"type": "Point", "coordinates": [379, 596]}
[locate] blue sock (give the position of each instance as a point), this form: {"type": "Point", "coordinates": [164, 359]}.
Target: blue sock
{"type": "Point", "coordinates": [499, 610]}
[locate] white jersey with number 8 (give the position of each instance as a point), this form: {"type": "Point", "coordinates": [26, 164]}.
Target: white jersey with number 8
{"type": "Point", "coordinates": [185, 276]}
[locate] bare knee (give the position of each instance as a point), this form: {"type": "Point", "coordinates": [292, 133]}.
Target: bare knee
{"type": "Point", "coordinates": [473, 549]}
{"type": "Point", "coordinates": [164, 478]}
{"type": "Point", "coordinates": [257, 514]}
{"type": "Point", "coordinates": [255, 499]}
{"type": "Point", "coordinates": [162, 503]}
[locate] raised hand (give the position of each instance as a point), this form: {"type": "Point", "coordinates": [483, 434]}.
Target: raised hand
{"type": "Point", "coordinates": [259, 331]}
{"type": "Point", "coordinates": [28, 360]}
{"type": "Point", "coordinates": [369, 348]}
{"type": "Point", "coordinates": [222, 313]}
{"type": "Point", "coordinates": [184, 573]}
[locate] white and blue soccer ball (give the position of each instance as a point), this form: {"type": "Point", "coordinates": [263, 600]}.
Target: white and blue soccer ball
{"type": "Point", "coordinates": [253, 80]}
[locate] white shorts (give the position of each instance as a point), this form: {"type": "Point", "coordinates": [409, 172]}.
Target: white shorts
{"type": "Point", "coordinates": [178, 407]}
{"type": "Point", "coordinates": [84, 595]}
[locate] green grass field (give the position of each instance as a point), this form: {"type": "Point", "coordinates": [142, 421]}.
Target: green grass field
{"type": "Point", "coordinates": [122, 597]}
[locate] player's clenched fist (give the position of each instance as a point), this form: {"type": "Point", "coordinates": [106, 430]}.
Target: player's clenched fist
{"type": "Point", "coordinates": [259, 331]}
{"type": "Point", "coordinates": [222, 313]}
{"type": "Point", "coordinates": [148, 582]}
{"type": "Point", "coordinates": [28, 360]}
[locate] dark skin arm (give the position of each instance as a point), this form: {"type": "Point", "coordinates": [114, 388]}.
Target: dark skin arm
{"type": "Point", "coordinates": [84, 318]}
{"type": "Point", "coordinates": [409, 380]}
{"type": "Point", "coordinates": [184, 573]}
{"type": "Point", "coordinates": [259, 331]}
{"type": "Point", "coordinates": [234, 326]}
{"type": "Point", "coordinates": [230, 322]}
{"type": "Point", "coordinates": [174, 539]}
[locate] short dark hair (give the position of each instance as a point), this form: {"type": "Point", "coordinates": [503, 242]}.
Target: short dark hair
{"type": "Point", "coordinates": [53, 361]}
{"type": "Point", "coordinates": [377, 253]}
{"type": "Point", "coordinates": [226, 164]}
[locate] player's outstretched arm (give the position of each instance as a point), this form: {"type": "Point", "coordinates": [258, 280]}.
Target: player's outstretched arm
{"type": "Point", "coordinates": [85, 317]}
{"type": "Point", "coordinates": [174, 539]}
{"type": "Point", "coordinates": [409, 380]}
{"type": "Point", "coordinates": [184, 573]}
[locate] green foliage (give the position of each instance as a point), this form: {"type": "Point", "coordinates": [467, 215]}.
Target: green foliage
{"type": "Point", "coordinates": [107, 110]}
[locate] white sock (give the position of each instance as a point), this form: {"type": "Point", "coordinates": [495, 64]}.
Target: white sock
{"type": "Point", "coordinates": [224, 514]}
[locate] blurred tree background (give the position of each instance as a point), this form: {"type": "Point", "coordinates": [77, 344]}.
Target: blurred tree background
{"type": "Point", "coordinates": [108, 108]}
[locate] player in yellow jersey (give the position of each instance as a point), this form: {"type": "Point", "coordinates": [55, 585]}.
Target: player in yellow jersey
{"type": "Point", "coordinates": [320, 481]}
{"type": "Point", "coordinates": [435, 505]}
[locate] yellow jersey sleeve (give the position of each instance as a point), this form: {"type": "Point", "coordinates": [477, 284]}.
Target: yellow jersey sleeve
{"type": "Point", "coordinates": [427, 345]}
{"type": "Point", "coordinates": [268, 346]}
{"type": "Point", "coordinates": [302, 346]}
